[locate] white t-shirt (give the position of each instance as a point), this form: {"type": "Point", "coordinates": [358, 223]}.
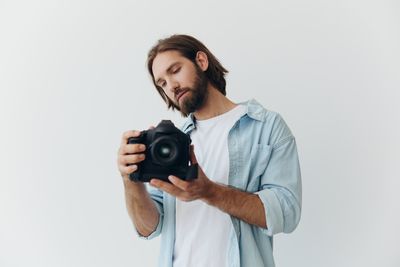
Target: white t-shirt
{"type": "Point", "coordinates": [202, 231]}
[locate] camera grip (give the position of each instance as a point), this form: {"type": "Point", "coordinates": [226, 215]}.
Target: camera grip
{"type": "Point", "coordinates": [192, 172]}
{"type": "Point", "coordinates": [135, 176]}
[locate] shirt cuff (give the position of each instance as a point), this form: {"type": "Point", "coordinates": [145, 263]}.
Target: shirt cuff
{"type": "Point", "coordinates": [157, 231]}
{"type": "Point", "coordinates": [273, 212]}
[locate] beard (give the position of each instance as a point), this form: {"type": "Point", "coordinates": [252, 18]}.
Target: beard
{"type": "Point", "coordinates": [197, 94]}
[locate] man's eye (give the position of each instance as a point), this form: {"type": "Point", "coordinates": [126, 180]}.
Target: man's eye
{"type": "Point", "coordinates": [176, 70]}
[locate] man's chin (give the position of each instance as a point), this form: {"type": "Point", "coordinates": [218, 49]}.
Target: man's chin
{"type": "Point", "coordinates": [189, 103]}
{"type": "Point", "coordinates": [183, 97]}
{"type": "Point", "coordinates": [184, 102]}
{"type": "Point", "coordinates": [186, 107]}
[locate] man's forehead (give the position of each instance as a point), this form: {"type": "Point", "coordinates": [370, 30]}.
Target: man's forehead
{"type": "Point", "coordinates": [164, 60]}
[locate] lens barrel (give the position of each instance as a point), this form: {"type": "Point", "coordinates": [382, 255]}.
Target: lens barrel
{"type": "Point", "coordinates": [165, 150]}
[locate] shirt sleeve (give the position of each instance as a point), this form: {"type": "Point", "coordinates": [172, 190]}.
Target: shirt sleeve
{"type": "Point", "coordinates": [280, 191]}
{"type": "Point", "coordinates": [157, 197]}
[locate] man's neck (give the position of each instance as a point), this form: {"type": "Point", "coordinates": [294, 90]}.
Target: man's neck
{"type": "Point", "coordinates": [215, 104]}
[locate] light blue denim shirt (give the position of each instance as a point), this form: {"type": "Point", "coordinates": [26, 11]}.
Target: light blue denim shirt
{"type": "Point", "coordinates": [263, 160]}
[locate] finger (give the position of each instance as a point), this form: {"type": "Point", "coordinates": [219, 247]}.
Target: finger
{"type": "Point", "coordinates": [193, 158]}
{"type": "Point", "coordinates": [181, 184]}
{"type": "Point", "coordinates": [166, 187]}
{"type": "Point", "coordinates": [127, 134]}
{"type": "Point", "coordinates": [132, 149]}
{"type": "Point", "coordinates": [132, 159]}
{"type": "Point", "coordinates": [128, 169]}
{"type": "Point", "coordinates": [151, 127]}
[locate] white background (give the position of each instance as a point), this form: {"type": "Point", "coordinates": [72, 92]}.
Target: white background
{"type": "Point", "coordinates": [73, 79]}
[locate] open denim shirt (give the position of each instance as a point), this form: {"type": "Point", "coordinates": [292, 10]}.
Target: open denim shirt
{"type": "Point", "coordinates": [263, 160]}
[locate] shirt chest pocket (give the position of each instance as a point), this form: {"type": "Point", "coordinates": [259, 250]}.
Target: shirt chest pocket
{"type": "Point", "coordinates": [259, 158]}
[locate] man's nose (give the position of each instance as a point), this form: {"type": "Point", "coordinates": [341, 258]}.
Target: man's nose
{"type": "Point", "coordinates": [174, 85]}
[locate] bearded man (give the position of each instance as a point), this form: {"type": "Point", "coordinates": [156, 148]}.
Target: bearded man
{"type": "Point", "coordinates": [248, 186]}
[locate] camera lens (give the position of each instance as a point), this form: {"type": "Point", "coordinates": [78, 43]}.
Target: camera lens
{"type": "Point", "coordinates": [165, 151]}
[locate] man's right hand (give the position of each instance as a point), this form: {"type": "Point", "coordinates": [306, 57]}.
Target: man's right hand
{"type": "Point", "coordinates": [140, 206]}
{"type": "Point", "coordinates": [129, 155]}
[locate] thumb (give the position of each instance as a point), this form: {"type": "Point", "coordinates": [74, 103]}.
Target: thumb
{"type": "Point", "coordinates": [193, 159]}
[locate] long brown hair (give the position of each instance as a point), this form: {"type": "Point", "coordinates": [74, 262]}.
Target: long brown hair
{"type": "Point", "coordinates": [188, 47]}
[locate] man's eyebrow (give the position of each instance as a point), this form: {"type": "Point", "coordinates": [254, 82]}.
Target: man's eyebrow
{"type": "Point", "coordinates": [168, 70]}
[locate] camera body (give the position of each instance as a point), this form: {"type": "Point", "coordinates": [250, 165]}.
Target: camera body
{"type": "Point", "coordinates": [167, 153]}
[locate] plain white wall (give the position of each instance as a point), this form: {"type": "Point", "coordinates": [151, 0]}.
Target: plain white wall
{"type": "Point", "coordinates": [73, 78]}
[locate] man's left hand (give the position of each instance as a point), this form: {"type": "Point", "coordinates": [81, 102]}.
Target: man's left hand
{"type": "Point", "coordinates": [199, 188]}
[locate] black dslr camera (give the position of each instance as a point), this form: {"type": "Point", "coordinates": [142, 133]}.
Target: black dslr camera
{"type": "Point", "coordinates": [167, 153]}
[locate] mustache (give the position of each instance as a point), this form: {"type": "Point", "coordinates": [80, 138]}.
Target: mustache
{"type": "Point", "coordinates": [179, 91]}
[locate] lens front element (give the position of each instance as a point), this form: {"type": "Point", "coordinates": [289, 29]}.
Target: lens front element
{"type": "Point", "coordinates": [165, 150]}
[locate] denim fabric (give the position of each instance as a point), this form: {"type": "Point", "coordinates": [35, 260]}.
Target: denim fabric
{"type": "Point", "coordinates": [263, 160]}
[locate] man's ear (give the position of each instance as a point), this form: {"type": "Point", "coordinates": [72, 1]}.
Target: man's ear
{"type": "Point", "coordinates": [202, 60]}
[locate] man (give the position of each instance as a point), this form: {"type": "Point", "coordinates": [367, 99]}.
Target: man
{"type": "Point", "coordinates": [248, 186]}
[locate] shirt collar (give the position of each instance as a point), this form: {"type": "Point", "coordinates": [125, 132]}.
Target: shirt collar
{"type": "Point", "coordinates": [253, 109]}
